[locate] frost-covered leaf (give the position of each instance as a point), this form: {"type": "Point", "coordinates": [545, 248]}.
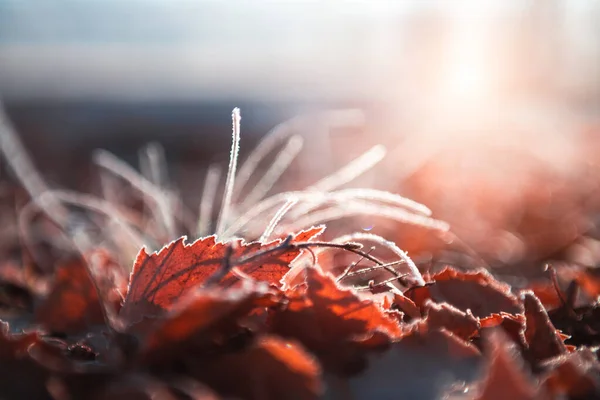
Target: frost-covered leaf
{"type": "Point", "coordinates": [159, 279]}
{"type": "Point", "coordinates": [543, 340]}
{"type": "Point", "coordinates": [477, 291]}
{"type": "Point", "coordinates": [461, 324]}
{"type": "Point", "coordinates": [201, 318]}
{"type": "Point", "coordinates": [327, 318]}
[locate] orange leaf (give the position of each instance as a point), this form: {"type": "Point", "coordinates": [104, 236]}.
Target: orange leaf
{"type": "Point", "coordinates": [505, 377]}
{"type": "Point", "coordinates": [208, 312]}
{"type": "Point", "coordinates": [461, 324]}
{"type": "Point", "coordinates": [159, 279]}
{"type": "Point", "coordinates": [512, 325]}
{"type": "Point", "coordinates": [271, 369]}
{"type": "Point", "coordinates": [574, 375]}
{"type": "Point", "coordinates": [326, 318]}
{"type": "Point", "coordinates": [73, 304]}
{"type": "Point", "coordinates": [478, 291]}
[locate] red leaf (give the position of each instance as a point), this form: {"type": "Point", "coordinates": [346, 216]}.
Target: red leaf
{"type": "Point", "coordinates": [159, 279]}
{"type": "Point", "coordinates": [574, 375]}
{"type": "Point", "coordinates": [21, 377]}
{"type": "Point", "coordinates": [505, 377]}
{"type": "Point", "coordinates": [14, 346]}
{"type": "Point", "coordinates": [73, 304]}
{"type": "Point", "coordinates": [406, 305]}
{"type": "Point", "coordinates": [546, 293]}
{"type": "Point", "coordinates": [513, 325]}
{"type": "Point", "coordinates": [589, 280]}
{"type": "Point", "coordinates": [475, 291]}
{"type": "Point", "coordinates": [327, 318]}
{"type": "Point", "coordinates": [542, 338]}
{"type": "Point", "coordinates": [271, 369]}
{"type": "Point", "coordinates": [463, 325]}
{"type": "Point", "coordinates": [204, 316]}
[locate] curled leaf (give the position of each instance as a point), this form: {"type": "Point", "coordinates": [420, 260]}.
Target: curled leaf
{"type": "Point", "coordinates": [477, 291]}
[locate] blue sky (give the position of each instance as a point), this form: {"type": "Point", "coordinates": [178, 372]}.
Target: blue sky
{"type": "Point", "coordinates": [152, 21]}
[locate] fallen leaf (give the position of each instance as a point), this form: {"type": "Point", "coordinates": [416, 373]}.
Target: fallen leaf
{"type": "Point", "coordinates": [202, 317]}
{"type": "Point", "coordinates": [505, 377]}
{"type": "Point", "coordinates": [461, 324]}
{"type": "Point", "coordinates": [14, 345]}
{"type": "Point", "coordinates": [406, 305]}
{"type": "Point", "coordinates": [575, 375]}
{"type": "Point", "coordinates": [477, 291]}
{"type": "Point", "coordinates": [159, 279]}
{"type": "Point", "coordinates": [20, 376]}
{"type": "Point", "coordinates": [73, 304]}
{"type": "Point", "coordinates": [512, 325]}
{"type": "Point", "coordinates": [543, 340]}
{"type": "Point", "coordinates": [325, 318]}
{"type": "Point", "coordinates": [270, 369]}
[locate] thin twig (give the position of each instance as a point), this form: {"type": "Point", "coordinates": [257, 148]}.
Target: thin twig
{"type": "Point", "coordinates": [352, 265]}
{"type": "Point", "coordinates": [374, 268]}
{"type": "Point", "coordinates": [372, 285]}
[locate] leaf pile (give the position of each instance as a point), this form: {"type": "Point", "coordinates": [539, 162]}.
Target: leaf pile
{"type": "Point", "coordinates": [214, 320]}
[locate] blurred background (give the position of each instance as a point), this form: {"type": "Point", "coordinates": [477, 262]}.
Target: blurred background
{"type": "Point", "coordinates": [490, 111]}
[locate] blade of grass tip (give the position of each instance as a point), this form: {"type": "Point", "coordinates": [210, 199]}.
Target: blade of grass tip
{"type": "Point", "coordinates": [149, 220]}
{"type": "Point", "coordinates": [276, 218]}
{"type": "Point", "coordinates": [384, 197]}
{"type": "Point", "coordinates": [103, 207]}
{"type": "Point", "coordinates": [159, 198]}
{"type": "Point", "coordinates": [271, 140]}
{"type": "Point", "coordinates": [354, 208]}
{"type": "Point", "coordinates": [276, 169]}
{"type": "Point", "coordinates": [346, 174]}
{"type": "Point", "coordinates": [25, 216]}
{"type": "Point", "coordinates": [19, 161]}
{"type": "Point", "coordinates": [230, 180]}
{"type": "Point", "coordinates": [351, 171]}
{"type": "Point", "coordinates": [155, 154]}
{"type": "Point", "coordinates": [348, 117]}
{"type": "Point", "coordinates": [207, 201]}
